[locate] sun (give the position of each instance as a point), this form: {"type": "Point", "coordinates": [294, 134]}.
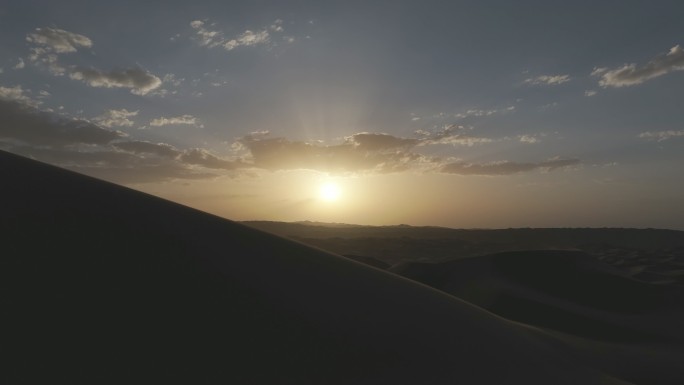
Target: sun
{"type": "Point", "coordinates": [330, 192]}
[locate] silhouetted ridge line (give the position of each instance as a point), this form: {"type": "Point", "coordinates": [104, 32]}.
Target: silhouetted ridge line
{"type": "Point", "coordinates": [105, 285]}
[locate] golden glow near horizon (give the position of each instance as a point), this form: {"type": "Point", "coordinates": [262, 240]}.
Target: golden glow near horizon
{"type": "Point", "coordinates": [330, 192]}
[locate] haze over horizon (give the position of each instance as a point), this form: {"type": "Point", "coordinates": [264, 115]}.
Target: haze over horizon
{"type": "Point", "coordinates": [466, 114]}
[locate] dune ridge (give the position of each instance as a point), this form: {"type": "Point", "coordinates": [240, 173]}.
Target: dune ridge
{"type": "Point", "coordinates": [105, 285]}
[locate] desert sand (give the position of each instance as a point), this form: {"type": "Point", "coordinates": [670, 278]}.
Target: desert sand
{"type": "Point", "coordinates": [106, 285]}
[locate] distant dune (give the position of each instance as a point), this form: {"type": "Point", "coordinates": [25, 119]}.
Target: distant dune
{"type": "Point", "coordinates": [105, 285]}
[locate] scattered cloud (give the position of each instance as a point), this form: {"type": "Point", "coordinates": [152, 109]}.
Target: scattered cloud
{"type": "Point", "coordinates": [363, 152]}
{"type": "Point", "coordinates": [85, 147]}
{"type": "Point", "coordinates": [531, 139]}
{"type": "Point", "coordinates": [451, 134]}
{"type": "Point", "coordinates": [16, 94]}
{"type": "Point", "coordinates": [548, 80]}
{"type": "Point", "coordinates": [58, 40]}
{"type": "Point", "coordinates": [116, 118]}
{"type": "Point", "coordinates": [187, 120]}
{"type": "Point", "coordinates": [26, 124]}
{"type": "Point", "coordinates": [142, 147]}
{"type": "Point", "coordinates": [506, 167]}
{"type": "Point", "coordinates": [20, 64]}
{"type": "Point", "coordinates": [589, 93]}
{"type": "Point", "coordinates": [633, 74]}
{"type": "Point", "coordinates": [138, 80]}
{"type": "Point", "coordinates": [202, 157]}
{"type": "Point", "coordinates": [48, 43]}
{"type": "Point", "coordinates": [661, 135]}
{"type": "Point", "coordinates": [248, 38]}
{"type": "Point", "coordinates": [277, 26]}
{"type": "Point", "coordinates": [51, 42]}
{"type": "Point", "coordinates": [209, 37]}
{"type": "Point", "coordinates": [374, 153]}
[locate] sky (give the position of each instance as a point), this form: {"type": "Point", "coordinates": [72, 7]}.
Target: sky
{"type": "Point", "coordinates": [467, 114]}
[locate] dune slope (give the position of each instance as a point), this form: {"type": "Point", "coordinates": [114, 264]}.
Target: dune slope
{"type": "Point", "coordinates": [105, 285]}
{"type": "Point", "coordinates": [631, 329]}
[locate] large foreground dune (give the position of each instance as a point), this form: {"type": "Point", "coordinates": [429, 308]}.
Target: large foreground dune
{"type": "Point", "coordinates": [105, 285]}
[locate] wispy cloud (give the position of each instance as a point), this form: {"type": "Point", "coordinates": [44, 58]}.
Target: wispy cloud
{"type": "Point", "coordinates": [26, 124]}
{"type": "Point", "coordinates": [548, 80]}
{"type": "Point", "coordinates": [16, 94]}
{"type": "Point", "coordinates": [86, 147]}
{"type": "Point", "coordinates": [138, 80]}
{"type": "Point", "coordinates": [633, 74]}
{"type": "Point", "coordinates": [58, 40]}
{"type": "Point", "coordinates": [187, 120]}
{"type": "Point", "coordinates": [661, 135]}
{"type": "Point", "coordinates": [20, 64]}
{"type": "Point", "coordinates": [116, 118]}
{"type": "Point", "coordinates": [451, 134]}
{"type": "Point", "coordinates": [374, 153]}
{"type": "Point", "coordinates": [505, 167]}
{"type": "Point", "coordinates": [49, 43]}
{"type": "Point", "coordinates": [363, 152]}
{"type": "Point", "coordinates": [210, 37]}
{"type": "Point", "coordinates": [589, 93]}
{"type": "Point", "coordinates": [531, 139]}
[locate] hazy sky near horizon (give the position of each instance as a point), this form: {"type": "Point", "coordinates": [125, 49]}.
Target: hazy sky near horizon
{"type": "Point", "coordinates": [452, 113]}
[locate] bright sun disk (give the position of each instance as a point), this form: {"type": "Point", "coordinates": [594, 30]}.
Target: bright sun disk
{"type": "Point", "coordinates": [329, 192]}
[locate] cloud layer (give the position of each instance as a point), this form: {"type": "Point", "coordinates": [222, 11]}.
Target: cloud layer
{"type": "Point", "coordinates": [506, 167]}
{"type": "Point", "coordinates": [633, 74]}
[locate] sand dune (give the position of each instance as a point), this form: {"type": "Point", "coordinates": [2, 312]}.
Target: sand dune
{"type": "Point", "coordinates": [106, 285]}
{"type": "Point", "coordinates": [629, 328]}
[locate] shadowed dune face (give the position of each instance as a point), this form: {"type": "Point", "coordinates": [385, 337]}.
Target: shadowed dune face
{"type": "Point", "coordinates": [630, 328]}
{"type": "Point", "coordinates": [105, 285]}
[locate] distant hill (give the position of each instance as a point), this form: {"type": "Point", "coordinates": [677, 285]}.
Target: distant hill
{"type": "Point", "coordinates": [648, 254]}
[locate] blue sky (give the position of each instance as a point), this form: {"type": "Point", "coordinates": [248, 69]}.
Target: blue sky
{"type": "Point", "coordinates": [243, 108]}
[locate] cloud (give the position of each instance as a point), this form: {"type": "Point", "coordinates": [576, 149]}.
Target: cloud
{"type": "Point", "coordinates": [365, 141]}
{"type": "Point", "coordinates": [20, 64]}
{"type": "Point", "coordinates": [363, 152]}
{"type": "Point", "coordinates": [193, 156]}
{"type": "Point", "coordinates": [633, 74]}
{"type": "Point", "coordinates": [58, 40]}
{"type": "Point", "coordinates": [247, 39]}
{"type": "Point", "coordinates": [531, 139]}
{"type": "Point", "coordinates": [213, 38]}
{"type": "Point", "coordinates": [452, 134]}
{"type": "Point", "coordinates": [16, 94]}
{"type": "Point", "coordinates": [661, 135]}
{"type": "Point", "coordinates": [589, 93]}
{"type": "Point", "coordinates": [116, 118]}
{"type": "Point", "coordinates": [202, 157]}
{"type": "Point", "coordinates": [85, 147]}
{"type": "Point", "coordinates": [206, 37]}
{"type": "Point", "coordinates": [187, 120]}
{"type": "Point", "coordinates": [48, 43]}
{"type": "Point", "coordinates": [137, 79]}
{"type": "Point", "coordinates": [142, 147]}
{"type": "Point", "coordinates": [505, 167]}
{"type": "Point", "coordinates": [26, 124]}
{"type": "Point", "coordinates": [549, 80]}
